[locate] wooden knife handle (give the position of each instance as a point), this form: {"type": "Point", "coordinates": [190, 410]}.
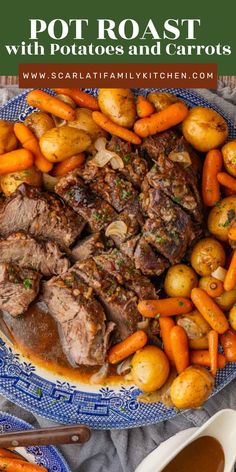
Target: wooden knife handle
{"type": "Point", "coordinates": [43, 437]}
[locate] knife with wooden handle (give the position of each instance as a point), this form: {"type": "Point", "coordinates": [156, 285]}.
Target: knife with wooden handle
{"type": "Point", "coordinates": [72, 434]}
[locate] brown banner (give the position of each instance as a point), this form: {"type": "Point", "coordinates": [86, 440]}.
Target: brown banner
{"type": "Point", "coordinates": [118, 75]}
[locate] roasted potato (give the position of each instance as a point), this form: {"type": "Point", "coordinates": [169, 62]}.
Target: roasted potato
{"type": "Point", "coordinates": [226, 300]}
{"type": "Point", "coordinates": [221, 217]}
{"type": "Point", "coordinates": [150, 368]}
{"type": "Point", "coordinates": [194, 324]}
{"type": "Point", "coordinates": [232, 317]}
{"type": "Point", "coordinates": [119, 105]}
{"type": "Point", "coordinates": [207, 255]}
{"type": "Point", "coordinates": [85, 122]}
{"type": "Point", "coordinates": [39, 123]}
{"type": "Point", "coordinates": [191, 388]}
{"type": "Point", "coordinates": [10, 182]}
{"type": "Point", "coordinates": [179, 281]}
{"type": "Point", "coordinates": [8, 140]}
{"type": "Point", "coordinates": [58, 144]}
{"type": "Point", "coordinates": [205, 129]}
{"type": "Point", "coordinates": [161, 100]}
{"type": "Point", "coordinates": [229, 156]}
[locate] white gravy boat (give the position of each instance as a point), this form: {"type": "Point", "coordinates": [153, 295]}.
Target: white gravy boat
{"type": "Point", "coordinates": [221, 426]}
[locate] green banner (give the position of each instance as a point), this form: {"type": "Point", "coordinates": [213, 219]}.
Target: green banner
{"type": "Point", "coordinates": [118, 32]}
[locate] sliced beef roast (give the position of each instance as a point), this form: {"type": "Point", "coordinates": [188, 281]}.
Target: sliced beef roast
{"type": "Point", "coordinates": [160, 143]}
{"type": "Point", "coordinates": [120, 304]}
{"type": "Point", "coordinates": [148, 260]}
{"type": "Point", "coordinates": [40, 214]}
{"type": "Point", "coordinates": [25, 251]}
{"type": "Point", "coordinates": [87, 247]}
{"type": "Point", "coordinates": [80, 318]}
{"type": "Point", "coordinates": [18, 288]}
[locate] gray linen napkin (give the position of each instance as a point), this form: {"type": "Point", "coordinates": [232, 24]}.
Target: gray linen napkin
{"type": "Point", "coordinates": [123, 450]}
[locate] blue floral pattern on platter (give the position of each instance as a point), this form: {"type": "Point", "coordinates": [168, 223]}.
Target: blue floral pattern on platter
{"type": "Point", "coordinates": [46, 456]}
{"type": "Point", "coordinates": [57, 399]}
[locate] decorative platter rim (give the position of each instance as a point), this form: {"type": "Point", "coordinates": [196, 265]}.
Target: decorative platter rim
{"type": "Point", "coordinates": [106, 407]}
{"type": "Point", "coordinates": [46, 456]}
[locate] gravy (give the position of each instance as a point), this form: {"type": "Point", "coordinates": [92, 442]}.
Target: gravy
{"type": "Point", "coordinates": [36, 336]}
{"type": "Point", "coordinates": [205, 454]}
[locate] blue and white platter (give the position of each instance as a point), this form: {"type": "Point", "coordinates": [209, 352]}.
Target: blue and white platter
{"type": "Point", "coordinates": [56, 398]}
{"type": "Point", "coordinates": [46, 456]}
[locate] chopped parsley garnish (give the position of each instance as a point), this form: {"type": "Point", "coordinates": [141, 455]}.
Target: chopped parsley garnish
{"type": "Point", "coordinates": [230, 217]}
{"type": "Point", "coordinates": [118, 182]}
{"type": "Point", "coordinates": [27, 283]}
{"type": "Point", "coordinates": [157, 316]}
{"type": "Point", "coordinates": [38, 391]}
{"type": "Point", "coordinates": [127, 158]}
{"type": "Point", "coordinates": [160, 239]}
{"type": "Point", "coordinates": [176, 199]}
{"type": "Point", "coordinates": [174, 235]}
{"type": "Point", "coordinates": [125, 194]}
{"type": "Point", "coordinates": [181, 303]}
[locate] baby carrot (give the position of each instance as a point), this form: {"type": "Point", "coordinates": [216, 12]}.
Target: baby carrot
{"type": "Point", "coordinates": [14, 465]}
{"type": "Point", "coordinates": [227, 181]}
{"type": "Point", "coordinates": [115, 129]}
{"type": "Point", "coordinates": [202, 357]}
{"type": "Point", "coordinates": [144, 107]}
{"type": "Point", "coordinates": [230, 278]}
{"type": "Point", "coordinates": [213, 350]}
{"type": "Point", "coordinates": [165, 307]}
{"type": "Point", "coordinates": [30, 142]}
{"type": "Point", "coordinates": [129, 346]}
{"type": "Point", "coordinates": [209, 310]}
{"type": "Point", "coordinates": [83, 99]}
{"type": "Point", "coordinates": [161, 121]}
{"type": "Point", "coordinates": [228, 342]}
{"type": "Point", "coordinates": [214, 287]}
{"type": "Point", "coordinates": [17, 160]}
{"type": "Point", "coordinates": [232, 233]}
{"type": "Point", "coordinates": [68, 164]}
{"type": "Point", "coordinates": [166, 324]}
{"type": "Point", "coordinates": [210, 185]}
{"type": "Point", "coordinates": [179, 346]}
{"type": "Point", "coordinates": [46, 102]}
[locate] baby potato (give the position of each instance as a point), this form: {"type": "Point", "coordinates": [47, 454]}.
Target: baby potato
{"type": "Point", "coordinates": [179, 281]}
{"type": "Point", "coordinates": [226, 300]}
{"type": "Point", "coordinates": [232, 317]}
{"type": "Point", "coordinates": [119, 105]}
{"type": "Point", "coordinates": [221, 217]}
{"type": "Point", "coordinates": [229, 156]}
{"type": "Point", "coordinates": [10, 182]}
{"type": "Point", "coordinates": [58, 144]}
{"type": "Point", "coordinates": [191, 388]}
{"type": "Point", "coordinates": [150, 368]}
{"type": "Point", "coordinates": [162, 100]}
{"type": "Point", "coordinates": [39, 123]}
{"type": "Point", "coordinates": [206, 256]}
{"type": "Point", "coordinates": [205, 129]}
{"type": "Point", "coordinates": [85, 122]}
{"type": "Point", "coordinates": [194, 324]}
{"type": "Point", "coordinates": [8, 140]}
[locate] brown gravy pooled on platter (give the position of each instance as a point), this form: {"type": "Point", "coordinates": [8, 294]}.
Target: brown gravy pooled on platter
{"type": "Point", "coordinates": [36, 336]}
{"type": "Point", "coordinates": [205, 454]}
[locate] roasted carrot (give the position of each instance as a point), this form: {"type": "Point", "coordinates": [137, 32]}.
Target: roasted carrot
{"type": "Point", "coordinates": [165, 307]}
{"type": "Point", "coordinates": [214, 287]}
{"type": "Point", "coordinates": [202, 357]}
{"type": "Point", "coordinates": [45, 102]}
{"type": "Point", "coordinates": [213, 338]}
{"type": "Point", "coordinates": [179, 347]}
{"type": "Point", "coordinates": [161, 121]}
{"type": "Point", "coordinates": [210, 185]}
{"type": "Point", "coordinates": [230, 278]}
{"type": "Point", "coordinates": [227, 181]}
{"type": "Point", "coordinates": [228, 192]}
{"type": "Point", "coordinates": [166, 325]}
{"type": "Point", "coordinates": [209, 310]}
{"type": "Point", "coordinates": [232, 233]}
{"type": "Point", "coordinates": [115, 129]}
{"type": "Point", "coordinates": [81, 98]}
{"type": "Point", "coordinates": [30, 142]}
{"type": "Point", "coordinates": [14, 465]}
{"type": "Point", "coordinates": [69, 164]}
{"type": "Point", "coordinates": [129, 346]}
{"type": "Point", "coordinates": [14, 161]}
{"type": "Point", "coordinates": [228, 342]}
{"type": "Point", "coordinates": [144, 107]}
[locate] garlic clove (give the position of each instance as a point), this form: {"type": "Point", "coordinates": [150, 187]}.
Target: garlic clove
{"type": "Point", "coordinates": [117, 163]}
{"type": "Point", "coordinates": [101, 158]}
{"type": "Point", "coordinates": [117, 228]}
{"type": "Point", "coordinates": [182, 157]}
{"type": "Point", "coordinates": [100, 144]}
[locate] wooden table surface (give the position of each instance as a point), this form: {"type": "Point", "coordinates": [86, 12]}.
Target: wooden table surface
{"type": "Point", "coordinates": [6, 81]}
